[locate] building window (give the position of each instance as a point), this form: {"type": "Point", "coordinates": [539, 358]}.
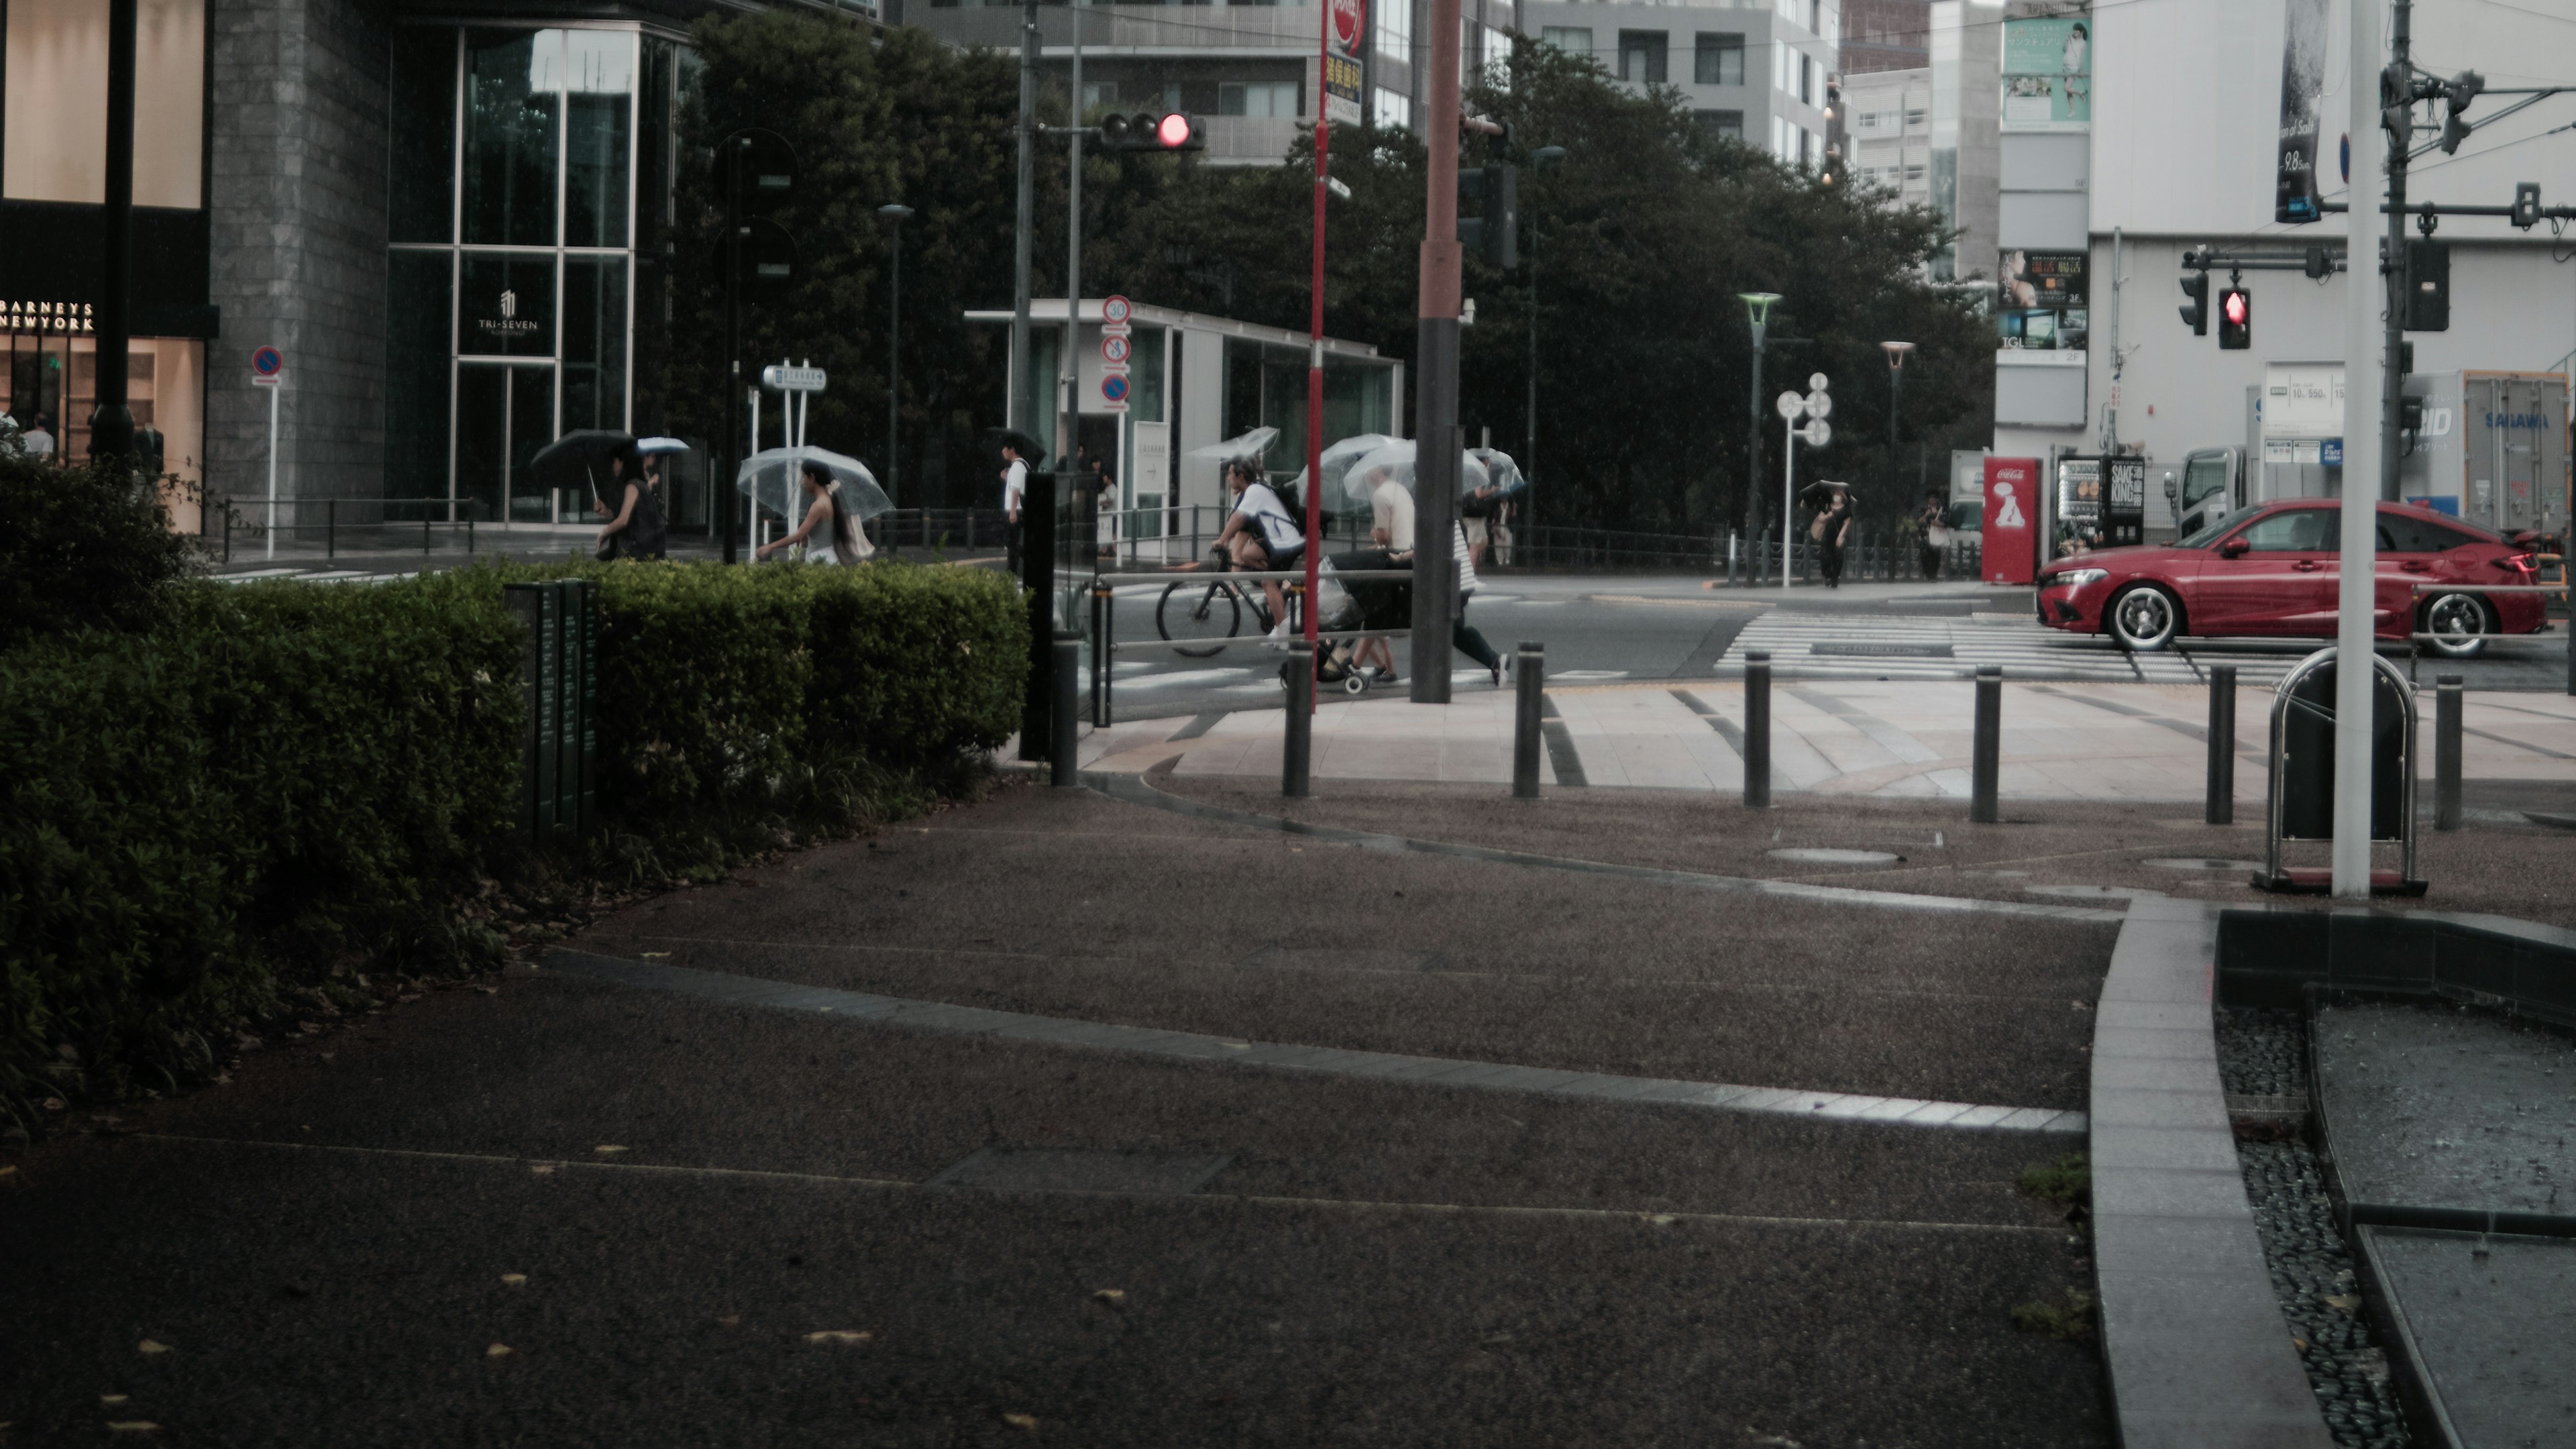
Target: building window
{"type": "Point", "coordinates": [55, 125]}
{"type": "Point", "coordinates": [1269, 100]}
{"type": "Point", "coordinates": [1098, 94]}
{"type": "Point", "coordinates": [1807, 80]}
{"type": "Point", "coordinates": [1395, 29]}
{"type": "Point", "coordinates": [1572, 39]}
{"type": "Point", "coordinates": [1642, 55]}
{"type": "Point", "coordinates": [1394, 111]}
{"type": "Point", "coordinates": [1914, 171]}
{"type": "Point", "coordinates": [513, 282]}
{"type": "Point", "coordinates": [1721, 125]}
{"type": "Point", "coordinates": [1718, 60]}
{"type": "Point", "coordinates": [1915, 117]}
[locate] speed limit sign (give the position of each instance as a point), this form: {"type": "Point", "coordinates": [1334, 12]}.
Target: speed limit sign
{"type": "Point", "coordinates": [1115, 311]}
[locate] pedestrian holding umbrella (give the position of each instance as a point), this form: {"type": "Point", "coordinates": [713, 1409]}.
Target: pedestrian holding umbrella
{"type": "Point", "coordinates": [822, 486]}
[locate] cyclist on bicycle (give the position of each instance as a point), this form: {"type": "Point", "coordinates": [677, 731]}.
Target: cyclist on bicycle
{"type": "Point", "coordinates": [1261, 534]}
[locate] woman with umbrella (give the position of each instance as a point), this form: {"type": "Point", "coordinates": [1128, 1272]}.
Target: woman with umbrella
{"type": "Point", "coordinates": [638, 530]}
{"type": "Point", "coordinates": [828, 514]}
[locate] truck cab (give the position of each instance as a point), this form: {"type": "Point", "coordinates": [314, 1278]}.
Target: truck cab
{"type": "Point", "coordinates": [2211, 486]}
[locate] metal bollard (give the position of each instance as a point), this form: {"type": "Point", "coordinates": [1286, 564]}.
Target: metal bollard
{"type": "Point", "coordinates": [1757, 729]}
{"type": "Point", "coordinates": [1987, 759]}
{"type": "Point", "coordinates": [1532, 684]}
{"type": "Point", "coordinates": [1297, 744]}
{"type": "Point", "coordinates": [1067, 753]}
{"type": "Point", "coordinates": [2446, 751]}
{"type": "Point", "coordinates": [1103, 607]}
{"type": "Point", "coordinates": [2221, 809]}
{"type": "Point", "coordinates": [331, 528]}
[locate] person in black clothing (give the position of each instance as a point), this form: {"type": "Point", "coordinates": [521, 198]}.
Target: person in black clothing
{"type": "Point", "coordinates": [1932, 525]}
{"type": "Point", "coordinates": [638, 530]}
{"type": "Point", "coordinates": [1832, 528]}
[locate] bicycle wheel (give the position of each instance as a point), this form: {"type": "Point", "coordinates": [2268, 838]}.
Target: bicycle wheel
{"type": "Point", "coordinates": [1190, 613]}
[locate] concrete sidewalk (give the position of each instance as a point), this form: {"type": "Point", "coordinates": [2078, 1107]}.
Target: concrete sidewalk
{"type": "Point", "coordinates": [1900, 739]}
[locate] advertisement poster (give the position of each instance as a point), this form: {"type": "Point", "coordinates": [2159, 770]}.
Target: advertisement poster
{"type": "Point", "coordinates": [2041, 300]}
{"type": "Point", "coordinates": [2048, 75]}
{"type": "Point", "coordinates": [2303, 85]}
{"type": "Point", "coordinates": [2012, 498]}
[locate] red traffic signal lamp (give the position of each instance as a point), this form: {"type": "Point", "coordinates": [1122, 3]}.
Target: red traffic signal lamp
{"type": "Point", "coordinates": [2235, 320]}
{"type": "Point", "coordinates": [1148, 131]}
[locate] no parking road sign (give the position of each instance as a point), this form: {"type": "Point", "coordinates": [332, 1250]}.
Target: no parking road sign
{"type": "Point", "coordinates": [267, 368]}
{"type": "Point", "coordinates": [1113, 390]}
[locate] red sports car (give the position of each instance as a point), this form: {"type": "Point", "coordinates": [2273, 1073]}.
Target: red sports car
{"type": "Point", "coordinates": [2273, 570]}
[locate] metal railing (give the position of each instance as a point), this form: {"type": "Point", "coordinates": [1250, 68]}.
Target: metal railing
{"type": "Point", "coordinates": [1882, 555]}
{"type": "Point", "coordinates": [337, 525]}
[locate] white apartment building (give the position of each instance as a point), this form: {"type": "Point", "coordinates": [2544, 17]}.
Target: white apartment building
{"type": "Point", "coordinates": [1888, 115]}
{"type": "Point", "coordinates": [1751, 70]}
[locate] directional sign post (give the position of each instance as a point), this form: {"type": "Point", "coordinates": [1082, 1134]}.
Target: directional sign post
{"type": "Point", "coordinates": [1814, 407]}
{"type": "Point", "coordinates": [268, 370]}
{"type": "Point", "coordinates": [799, 381]}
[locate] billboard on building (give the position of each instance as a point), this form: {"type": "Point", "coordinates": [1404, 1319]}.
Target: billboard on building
{"type": "Point", "coordinates": [2048, 74]}
{"type": "Point", "coordinates": [2303, 84]}
{"type": "Point", "coordinates": [2040, 301]}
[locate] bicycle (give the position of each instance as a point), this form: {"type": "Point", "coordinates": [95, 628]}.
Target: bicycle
{"type": "Point", "coordinates": [1191, 610]}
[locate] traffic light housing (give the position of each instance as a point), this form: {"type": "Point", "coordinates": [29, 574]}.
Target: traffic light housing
{"type": "Point", "coordinates": [2235, 320]}
{"type": "Point", "coordinates": [1153, 131]}
{"type": "Point", "coordinates": [2195, 307]}
{"type": "Point", "coordinates": [1494, 234]}
{"type": "Point", "coordinates": [2526, 205]}
{"type": "Point", "coordinates": [2428, 286]}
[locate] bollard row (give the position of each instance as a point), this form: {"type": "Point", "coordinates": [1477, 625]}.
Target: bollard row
{"type": "Point", "coordinates": [1526, 710]}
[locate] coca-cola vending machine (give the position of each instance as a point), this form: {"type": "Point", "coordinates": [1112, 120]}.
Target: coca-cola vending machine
{"type": "Point", "coordinates": [2012, 507]}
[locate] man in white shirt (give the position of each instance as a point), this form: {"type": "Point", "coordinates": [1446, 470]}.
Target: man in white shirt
{"type": "Point", "coordinates": [1391, 513]}
{"type": "Point", "coordinates": [1015, 485]}
{"type": "Point", "coordinates": [40, 438]}
{"type": "Point", "coordinates": [1260, 535]}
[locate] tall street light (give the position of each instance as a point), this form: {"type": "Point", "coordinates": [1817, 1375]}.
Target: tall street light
{"type": "Point", "coordinates": [1757, 306]}
{"type": "Point", "coordinates": [1529, 417]}
{"type": "Point", "coordinates": [1896, 352]}
{"type": "Point", "coordinates": [895, 216]}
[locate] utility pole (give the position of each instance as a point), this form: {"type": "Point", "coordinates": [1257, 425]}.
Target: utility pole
{"type": "Point", "coordinates": [1435, 393]}
{"type": "Point", "coordinates": [1068, 418]}
{"type": "Point", "coordinates": [2355, 663]}
{"type": "Point", "coordinates": [2397, 104]}
{"type": "Point", "coordinates": [736, 155]}
{"type": "Point", "coordinates": [895, 214]}
{"type": "Point", "coordinates": [111, 422]}
{"type": "Point", "coordinates": [1021, 406]}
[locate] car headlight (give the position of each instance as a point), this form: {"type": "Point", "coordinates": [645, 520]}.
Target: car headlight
{"type": "Point", "coordinates": [2078, 578]}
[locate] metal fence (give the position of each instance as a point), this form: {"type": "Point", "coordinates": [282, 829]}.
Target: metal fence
{"type": "Point", "coordinates": [1872, 554]}
{"type": "Point", "coordinates": [337, 525]}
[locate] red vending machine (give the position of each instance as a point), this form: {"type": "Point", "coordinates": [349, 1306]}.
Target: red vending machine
{"type": "Point", "coordinates": [2012, 507]}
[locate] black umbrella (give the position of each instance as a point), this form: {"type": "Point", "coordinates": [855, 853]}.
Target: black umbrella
{"type": "Point", "coordinates": [580, 456]}
{"type": "Point", "coordinates": [1030, 450]}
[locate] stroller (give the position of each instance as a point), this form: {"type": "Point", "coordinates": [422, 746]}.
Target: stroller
{"type": "Point", "coordinates": [1376, 604]}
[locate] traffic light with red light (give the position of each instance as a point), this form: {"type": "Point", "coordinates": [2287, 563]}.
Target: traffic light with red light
{"type": "Point", "coordinates": [2235, 320]}
{"type": "Point", "coordinates": [1148, 131]}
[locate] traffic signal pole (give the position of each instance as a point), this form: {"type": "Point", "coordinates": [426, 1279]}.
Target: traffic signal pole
{"type": "Point", "coordinates": [1068, 421]}
{"type": "Point", "coordinates": [1020, 407]}
{"type": "Point", "coordinates": [2364, 452]}
{"type": "Point", "coordinates": [1435, 407]}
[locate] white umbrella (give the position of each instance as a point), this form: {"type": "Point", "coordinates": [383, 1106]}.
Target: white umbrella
{"type": "Point", "coordinates": [660, 445]}
{"type": "Point", "coordinates": [773, 479]}
{"type": "Point", "coordinates": [1502, 474]}
{"type": "Point", "coordinates": [1251, 445]}
{"type": "Point", "coordinates": [1394, 462]}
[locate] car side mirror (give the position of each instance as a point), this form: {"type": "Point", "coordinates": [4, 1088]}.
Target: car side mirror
{"type": "Point", "coordinates": [2233, 547]}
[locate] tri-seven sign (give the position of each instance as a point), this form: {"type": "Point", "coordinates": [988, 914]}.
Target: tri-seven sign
{"type": "Point", "coordinates": [778, 377]}
{"type": "Point", "coordinates": [267, 368]}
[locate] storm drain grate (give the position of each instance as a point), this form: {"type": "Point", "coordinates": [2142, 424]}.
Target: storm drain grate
{"type": "Point", "coordinates": [1882, 651]}
{"type": "Point", "coordinates": [1083, 1169]}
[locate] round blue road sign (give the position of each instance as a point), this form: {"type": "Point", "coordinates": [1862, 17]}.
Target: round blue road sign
{"type": "Point", "coordinates": [268, 362]}
{"type": "Point", "coordinates": [1114, 388]}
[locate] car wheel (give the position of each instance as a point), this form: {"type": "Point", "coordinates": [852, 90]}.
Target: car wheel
{"type": "Point", "coordinates": [2145, 619]}
{"type": "Point", "coordinates": [2455, 621]}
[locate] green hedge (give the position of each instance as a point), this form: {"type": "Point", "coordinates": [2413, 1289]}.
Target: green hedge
{"type": "Point", "coordinates": [281, 782]}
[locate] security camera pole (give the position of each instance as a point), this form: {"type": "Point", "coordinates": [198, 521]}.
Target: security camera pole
{"type": "Point", "coordinates": [1435, 393]}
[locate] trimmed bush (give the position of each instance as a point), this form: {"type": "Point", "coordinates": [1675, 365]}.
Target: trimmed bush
{"type": "Point", "coordinates": [283, 782]}
{"type": "Point", "coordinates": [80, 548]}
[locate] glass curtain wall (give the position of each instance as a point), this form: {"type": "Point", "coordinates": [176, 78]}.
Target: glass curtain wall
{"type": "Point", "coordinates": [514, 266]}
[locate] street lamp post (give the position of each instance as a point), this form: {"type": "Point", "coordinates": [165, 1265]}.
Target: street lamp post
{"type": "Point", "coordinates": [1896, 354]}
{"type": "Point", "coordinates": [1758, 306]}
{"type": "Point", "coordinates": [1529, 419]}
{"type": "Point", "coordinates": [895, 216]}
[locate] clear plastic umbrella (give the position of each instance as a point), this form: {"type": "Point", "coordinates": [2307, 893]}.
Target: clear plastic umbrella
{"type": "Point", "coordinates": [1252, 445]}
{"type": "Point", "coordinates": [773, 480]}
{"type": "Point", "coordinates": [1501, 474]}
{"type": "Point", "coordinates": [1394, 463]}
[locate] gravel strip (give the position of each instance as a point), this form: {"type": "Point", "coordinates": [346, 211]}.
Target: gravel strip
{"type": "Point", "coordinates": [2260, 1054]}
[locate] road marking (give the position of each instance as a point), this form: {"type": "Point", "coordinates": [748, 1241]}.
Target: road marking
{"type": "Point", "coordinates": [1380, 1066]}
{"type": "Point", "coordinates": [1185, 676]}
{"type": "Point", "coordinates": [1657, 1217]}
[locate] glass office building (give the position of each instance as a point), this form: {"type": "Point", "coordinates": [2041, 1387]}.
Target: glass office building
{"type": "Point", "coordinates": [528, 213]}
